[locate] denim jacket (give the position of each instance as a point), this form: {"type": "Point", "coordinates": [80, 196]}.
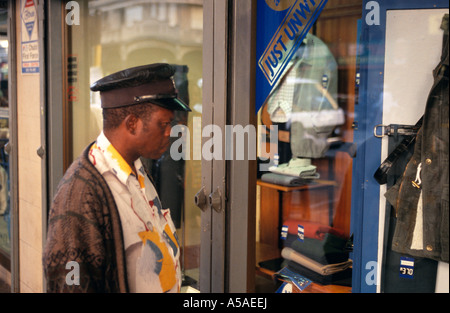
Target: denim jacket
{"type": "Point", "coordinates": [421, 196]}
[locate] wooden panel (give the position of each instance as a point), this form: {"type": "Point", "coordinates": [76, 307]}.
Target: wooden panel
{"type": "Point", "coordinates": [269, 232]}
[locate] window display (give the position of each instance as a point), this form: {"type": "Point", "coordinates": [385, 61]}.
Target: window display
{"type": "Point", "coordinates": [315, 233]}
{"type": "Point", "coordinates": [304, 200]}
{"type": "Point", "coordinates": [305, 98]}
{"type": "Point", "coordinates": [420, 197]}
{"type": "Point", "coordinates": [416, 172]}
{"type": "Point", "coordinates": [401, 45]}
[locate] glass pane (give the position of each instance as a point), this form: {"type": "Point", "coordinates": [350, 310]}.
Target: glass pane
{"type": "Point", "coordinates": [112, 36]}
{"type": "Point", "coordinates": [5, 217]}
{"type": "Point", "coordinates": [304, 178]}
{"type": "Point", "coordinates": [360, 164]}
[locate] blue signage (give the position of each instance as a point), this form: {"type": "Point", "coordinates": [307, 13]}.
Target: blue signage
{"type": "Point", "coordinates": [282, 25]}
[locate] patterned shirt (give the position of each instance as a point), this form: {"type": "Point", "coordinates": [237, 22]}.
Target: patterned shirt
{"type": "Point", "coordinates": [151, 244]}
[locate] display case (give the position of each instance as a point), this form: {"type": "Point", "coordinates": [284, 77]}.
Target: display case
{"type": "Point", "coordinates": [345, 94]}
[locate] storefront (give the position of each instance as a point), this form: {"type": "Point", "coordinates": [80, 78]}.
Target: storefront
{"type": "Point", "coordinates": [270, 179]}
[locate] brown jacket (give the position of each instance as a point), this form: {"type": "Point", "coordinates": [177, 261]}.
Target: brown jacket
{"type": "Point", "coordinates": [84, 226]}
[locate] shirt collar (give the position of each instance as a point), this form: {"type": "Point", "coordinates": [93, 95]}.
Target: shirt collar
{"type": "Point", "coordinates": [117, 163]}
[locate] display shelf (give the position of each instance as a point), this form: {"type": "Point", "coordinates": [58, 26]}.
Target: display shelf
{"type": "Point", "coordinates": [317, 183]}
{"type": "Point", "coordinates": [275, 208]}
{"type": "Point", "coordinates": [265, 252]}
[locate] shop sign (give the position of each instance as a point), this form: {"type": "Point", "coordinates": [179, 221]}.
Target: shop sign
{"type": "Point", "coordinates": [29, 37]}
{"type": "Point", "coordinates": [281, 27]}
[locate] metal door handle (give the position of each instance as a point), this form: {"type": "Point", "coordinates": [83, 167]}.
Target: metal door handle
{"type": "Point", "coordinates": [40, 152]}
{"type": "Point", "coordinates": [200, 199]}
{"type": "Point", "coordinates": [215, 200]}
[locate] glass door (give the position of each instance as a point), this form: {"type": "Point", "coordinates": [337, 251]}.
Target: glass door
{"type": "Point", "coordinates": [103, 37]}
{"type": "Point", "coordinates": [5, 133]}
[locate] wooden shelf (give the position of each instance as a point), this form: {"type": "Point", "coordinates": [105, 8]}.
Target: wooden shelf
{"type": "Point", "coordinates": [276, 205]}
{"type": "Point", "coordinates": [318, 183]}
{"type": "Point", "coordinates": [266, 252]}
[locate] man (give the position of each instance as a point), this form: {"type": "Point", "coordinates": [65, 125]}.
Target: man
{"type": "Point", "coordinates": [107, 231]}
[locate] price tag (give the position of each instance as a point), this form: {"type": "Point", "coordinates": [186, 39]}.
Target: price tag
{"type": "Point", "coordinates": [284, 232]}
{"type": "Point", "coordinates": [407, 267]}
{"type": "Point", "coordinates": [301, 233]}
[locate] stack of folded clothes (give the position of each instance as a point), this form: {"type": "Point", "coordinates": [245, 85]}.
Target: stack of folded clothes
{"type": "Point", "coordinates": [287, 180]}
{"type": "Point", "coordinates": [319, 255]}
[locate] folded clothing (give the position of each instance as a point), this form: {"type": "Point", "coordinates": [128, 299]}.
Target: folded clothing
{"type": "Point", "coordinates": [285, 180]}
{"type": "Point", "coordinates": [342, 278]}
{"type": "Point", "coordinates": [307, 172]}
{"type": "Point", "coordinates": [329, 269]}
{"type": "Point", "coordinates": [330, 250]}
{"type": "Point", "coordinates": [313, 229]}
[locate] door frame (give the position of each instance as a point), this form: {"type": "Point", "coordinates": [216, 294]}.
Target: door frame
{"type": "Point", "coordinates": [12, 149]}
{"type": "Point", "coordinates": [227, 262]}
{"type": "Point", "coordinates": [242, 174]}
{"type": "Point", "coordinates": [215, 58]}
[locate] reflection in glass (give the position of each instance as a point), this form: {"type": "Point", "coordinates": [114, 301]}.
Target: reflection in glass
{"type": "Point", "coordinates": [116, 35]}
{"type": "Point", "coordinates": [5, 217]}
{"type": "Point", "coordinates": [304, 199]}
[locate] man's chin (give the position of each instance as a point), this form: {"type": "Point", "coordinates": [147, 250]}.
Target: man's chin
{"type": "Point", "coordinates": [157, 156]}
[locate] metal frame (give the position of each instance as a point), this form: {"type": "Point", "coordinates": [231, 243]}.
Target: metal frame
{"type": "Point", "coordinates": [207, 118]}
{"type": "Point", "coordinates": [54, 90]}
{"type": "Point", "coordinates": [215, 47]}
{"type": "Point", "coordinates": [13, 160]}
{"type": "Point", "coordinates": [241, 175]}
{"type": "Point", "coordinates": [227, 262]}
{"type": "Point", "coordinates": [43, 151]}
{"type": "Point", "coordinates": [52, 102]}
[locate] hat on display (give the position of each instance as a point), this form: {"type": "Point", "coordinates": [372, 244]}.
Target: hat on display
{"type": "Point", "coordinates": [142, 84]}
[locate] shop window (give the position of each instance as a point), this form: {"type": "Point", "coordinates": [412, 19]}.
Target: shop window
{"type": "Point", "coordinates": [304, 180]}
{"type": "Point", "coordinates": [115, 36]}
{"type": "Point", "coordinates": [354, 195]}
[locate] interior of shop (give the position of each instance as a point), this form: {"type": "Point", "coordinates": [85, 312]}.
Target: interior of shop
{"type": "Point", "coordinates": [321, 201]}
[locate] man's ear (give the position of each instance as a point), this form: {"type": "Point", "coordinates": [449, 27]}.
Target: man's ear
{"type": "Point", "coordinates": [131, 122]}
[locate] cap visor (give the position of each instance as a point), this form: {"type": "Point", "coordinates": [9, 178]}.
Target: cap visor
{"type": "Point", "coordinates": [174, 104]}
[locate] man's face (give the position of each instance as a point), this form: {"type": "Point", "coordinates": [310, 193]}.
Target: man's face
{"type": "Point", "coordinates": [153, 133]}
